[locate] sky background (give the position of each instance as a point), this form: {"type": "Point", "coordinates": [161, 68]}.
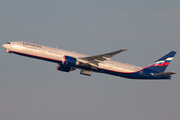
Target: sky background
{"type": "Point", "coordinates": [31, 89]}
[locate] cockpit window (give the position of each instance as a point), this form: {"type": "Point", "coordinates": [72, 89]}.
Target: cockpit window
{"type": "Point", "coordinates": [8, 43]}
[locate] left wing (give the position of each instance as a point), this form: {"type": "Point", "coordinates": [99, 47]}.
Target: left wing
{"type": "Point", "coordinates": [94, 60]}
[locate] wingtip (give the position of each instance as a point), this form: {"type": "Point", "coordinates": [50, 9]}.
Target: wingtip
{"type": "Point", "coordinates": [124, 49]}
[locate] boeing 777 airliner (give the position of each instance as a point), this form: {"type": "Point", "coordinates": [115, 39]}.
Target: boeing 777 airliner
{"type": "Point", "coordinates": [68, 61]}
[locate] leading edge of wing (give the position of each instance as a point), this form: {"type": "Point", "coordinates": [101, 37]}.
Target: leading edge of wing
{"type": "Point", "coordinates": [99, 58]}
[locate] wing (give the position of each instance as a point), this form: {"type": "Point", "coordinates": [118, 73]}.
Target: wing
{"type": "Point", "coordinates": [94, 60]}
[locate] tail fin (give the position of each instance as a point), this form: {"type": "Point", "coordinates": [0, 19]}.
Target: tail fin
{"type": "Point", "coordinates": [161, 64]}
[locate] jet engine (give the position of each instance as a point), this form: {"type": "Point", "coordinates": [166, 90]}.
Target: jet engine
{"type": "Point", "coordinates": [69, 61]}
{"type": "Point", "coordinates": [64, 68]}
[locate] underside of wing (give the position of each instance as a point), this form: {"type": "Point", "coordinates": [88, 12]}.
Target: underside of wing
{"type": "Point", "coordinates": [94, 60]}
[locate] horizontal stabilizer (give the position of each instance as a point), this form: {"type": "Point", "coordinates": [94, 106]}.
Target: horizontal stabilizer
{"type": "Point", "coordinates": [164, 74]}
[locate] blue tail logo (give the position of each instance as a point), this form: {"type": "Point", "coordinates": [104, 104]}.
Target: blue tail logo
{"type": "Point", "coordinates": [161, 64]}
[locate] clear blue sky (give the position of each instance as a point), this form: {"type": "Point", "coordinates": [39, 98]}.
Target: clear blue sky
{"type": "Point", "coordinates": [34, 90]}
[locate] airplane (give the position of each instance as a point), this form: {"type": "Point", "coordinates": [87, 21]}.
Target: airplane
{"type": "Point", "coordinates": [68, 61]}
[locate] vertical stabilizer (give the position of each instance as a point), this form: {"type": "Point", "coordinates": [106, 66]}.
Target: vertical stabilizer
{"type": "Point", "coordinates": [161, 64]}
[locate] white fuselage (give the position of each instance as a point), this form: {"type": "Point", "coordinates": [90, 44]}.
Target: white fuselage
{"type": "Point", "coordinates": [54, 54]}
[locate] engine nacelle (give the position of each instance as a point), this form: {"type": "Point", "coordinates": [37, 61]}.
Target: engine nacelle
{"type": "Point", "coordinates": [69, 61]}
{"type": "Point", "coordinates": [64, 68]}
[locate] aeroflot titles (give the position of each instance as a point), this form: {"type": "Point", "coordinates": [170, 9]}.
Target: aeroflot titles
{"type": "Point", "coordinates": [32, 45]}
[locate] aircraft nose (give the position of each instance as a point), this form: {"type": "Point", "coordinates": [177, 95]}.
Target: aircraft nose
{"type": "Point", "coordinates": [4, 46]}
